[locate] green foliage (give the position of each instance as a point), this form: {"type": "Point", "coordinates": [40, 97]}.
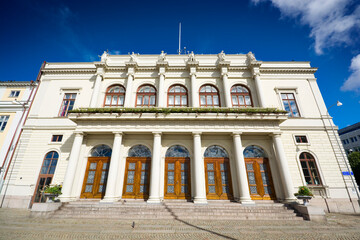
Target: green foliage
{"type": "Point", "coordinates": [354, 160]}
{"type": "Point", "coordinates": [247, 110]}
{"type": "Point", "coordinates": [55, 189]}
{"type": "Point", "coordinates": [304, 191]}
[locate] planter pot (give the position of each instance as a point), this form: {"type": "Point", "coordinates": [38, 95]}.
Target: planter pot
{"type": "Point", "coordinates": [50, 197]}
{"type": "Point", "coordinates": [305, 199]}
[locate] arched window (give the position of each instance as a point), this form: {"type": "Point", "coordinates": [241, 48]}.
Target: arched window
{"type": "Point", "coordinates": [146, 96]}
{"type": "Point", "coordinates": [46, 175]}
{"type": "Point", "coordinates": [139, 151]}
{"type": "Point", "coordinates": [209, 96]}
{"type": "Point", "coordinates": [240, 96]}
{"type": "Point", "coordinates": [101, 151]}
{"type": "Point", "coordinates": [114, 96]}
{"type": "Point", "coordinates": [253, 151]}
{"type": "Point", "coordinates": [177, 151]}
{"type": "Point", "coordinates": [215, 152]}
{"type": "Point", "coordinates": [177, 96]}
{"type": "Point", "coordinates": [309, 168]}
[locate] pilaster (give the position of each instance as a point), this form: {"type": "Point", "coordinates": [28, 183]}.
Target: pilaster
{"type": "Point", "coordinates": [154, 195]}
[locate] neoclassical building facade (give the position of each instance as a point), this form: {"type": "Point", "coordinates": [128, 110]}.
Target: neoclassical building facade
{"type": "Point", "coordinates": [192, 127]}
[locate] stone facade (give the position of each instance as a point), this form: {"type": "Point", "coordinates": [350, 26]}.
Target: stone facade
{"type": "Point", "coordinates": [256, 123]}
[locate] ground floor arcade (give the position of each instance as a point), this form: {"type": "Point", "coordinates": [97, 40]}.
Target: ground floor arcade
{"type": "Point", "coordinates": [198, 166]}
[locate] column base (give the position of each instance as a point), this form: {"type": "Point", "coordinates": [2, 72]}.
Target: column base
{"type": "Point", "coordinates": [200, 201]}
{"type": "Point", "coordinates": [246, 201]}
{"type": "Point", "coordinates": [109, 199]}
{"type": "Point", "coordinates": [289, 200]}
{"type": "Point", "coordinates": [153, 200]}
{"type": "Point", "coordinates": [66, 199]}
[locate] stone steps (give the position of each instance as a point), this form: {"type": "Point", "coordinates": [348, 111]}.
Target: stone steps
{"type": "Point", "coordinates": [175, 210]}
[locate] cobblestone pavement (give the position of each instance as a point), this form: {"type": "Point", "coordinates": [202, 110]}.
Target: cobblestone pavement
{"type": "Point", "coordinates": [16, 224]}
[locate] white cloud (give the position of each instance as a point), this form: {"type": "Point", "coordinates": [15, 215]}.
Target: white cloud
{"type": "Point", "coordinates": [353, 82]}
{"type": "Point", "coordinates": [331, 21]}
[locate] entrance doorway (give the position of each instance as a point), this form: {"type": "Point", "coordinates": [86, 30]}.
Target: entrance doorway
{"type": "Point", "coordinates": [217, 173]}
{"type": "Point", "coordinates": [177, 173]}
{"type": "Point", "coordinates": [259, 175]}
{"type": "Point", "coordinates": [97, 168]}
{"type": "Point", "coordinates": [137, 173]}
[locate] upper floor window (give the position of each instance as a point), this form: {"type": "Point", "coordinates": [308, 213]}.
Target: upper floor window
{"type": "Point", "coordinates": [56, 138]}
{"type": "Point", "coordinates": [290, 106]}
{"type": "Point", "coordinates": [309, 168]}
{"type": "Point", "coordinates": [177, 96]}
{"type": "Point", "coordinates": [209, 96]}
{"type": "Point", "coordinates": [240, 96]}
{"type": "Point", "coordinates": [301, 139]}
{"type": "Point", "coordinates": [146, 96]}
{"type": "Point", "coordinates": [14, 93]}
{"type": "Point", "coordinates": [3, 122]}
{"type": "Point", "coordinates": [115, 96]}
{"type": "Point", "coordinates": [67, 104]}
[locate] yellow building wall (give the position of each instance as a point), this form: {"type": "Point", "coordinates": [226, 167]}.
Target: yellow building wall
{"type": "Point", "coordinates": [6, 96]}
{"type": "Point", "coordinates": [7, 128]}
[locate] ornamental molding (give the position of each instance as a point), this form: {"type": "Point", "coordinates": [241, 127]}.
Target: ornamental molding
{"type": "Point", "coordinates": [288, 70]}
{"type": "Point", "coordinates": [69, 71]}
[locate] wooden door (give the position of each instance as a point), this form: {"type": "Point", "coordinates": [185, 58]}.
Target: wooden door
{"type": "Point", "coordinates": [177, 178]}
{"type": "Point", "coordinates": [259, 177]}
{"type": "Point", "coordinates": [94, 185]}
{"type": "Point", "coordinates": [137, 178]}
{"type": "Point", "coordinates": [218, 178]}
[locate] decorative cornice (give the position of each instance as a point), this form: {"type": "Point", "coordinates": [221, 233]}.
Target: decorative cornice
{"type": "Point", "coordinates": [288, 70]}
{"type": "Point", "coordinates": [17, 83]}
{"type": "Point", "coordinates": [64, 71]}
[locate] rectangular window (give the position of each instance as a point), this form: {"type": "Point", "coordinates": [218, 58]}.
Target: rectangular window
{"type": "Point", "coordinates": [290, 106]}
{"type": "Point", "coordinates": [3, 122]}
{"type": "Point", "coordinates": [355, 138]}
{"type": "Point", "coordinates": [56, 138]}
{"type": "Point", "coordinates": [301, 139]}
{"type": "Point", "coordinates": [344, 142]}
{"type": "Point", "coordinates": [67, 104]}
{"type": "Point", "coordinates": [352, 139]}
{"type": "Point", "coordinates": [14, 93]}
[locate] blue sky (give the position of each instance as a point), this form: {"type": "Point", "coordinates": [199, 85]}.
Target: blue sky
{"type": "Point", "coordinates": [325, 32]}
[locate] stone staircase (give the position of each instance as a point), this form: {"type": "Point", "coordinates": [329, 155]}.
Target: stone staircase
{"type": "Point", "coordinates": [173, 209]}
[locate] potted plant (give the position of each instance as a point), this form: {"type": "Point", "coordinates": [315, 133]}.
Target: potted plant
{"type": "Point", "coordinates": [305, 194]}
{"type": "Point", "coordinates": [52, 191]}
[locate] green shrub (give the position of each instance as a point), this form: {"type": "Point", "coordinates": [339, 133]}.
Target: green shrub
{"type": "Point", "coordinates": [55, 189]}
{"type": "Point", "coordinates": [304, 191]}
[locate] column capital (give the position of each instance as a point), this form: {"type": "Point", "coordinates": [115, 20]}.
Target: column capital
{"type": "Point", "coordinates": [236, 134]}
{"type": "Point", "coordinates": [196, 133]}
{"type": "Point", "coordinates": [157, 134]}
{"type": "Point", "coordinates": [161, 74]}
{"type": "Point", "coordinates": [79, 133]}
{"type": "Point", "coordinates": [276, 134]}
{"type": "Point", "coordinates": [117, 133]}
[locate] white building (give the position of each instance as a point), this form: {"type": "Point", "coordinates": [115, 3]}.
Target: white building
{"type": "Point", "coordinates": [197, 127]}
{"type": "Point", "coordinates": [15, 99]}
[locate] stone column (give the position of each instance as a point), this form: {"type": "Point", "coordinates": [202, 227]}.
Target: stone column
{"type": "Point", "coordinates": [241, 171]}
{"type": "Point", "coordinates": [161, 90]}
{"type": "Point", "coordinates": [96, 91]}
{"type": "Point", "coordinates": [194, 91]}
{"type": "Point", "coordinates": [154, 196]}
{"type": "Point", "coordinates": [113, 169]}
{"type": "Point", "coordinates": [128, 93]}
{"type": "Point", "coordinates": [71, 168]}
{"type": "Point", "coordinates": [283, 168]}
{"type": "Point", "coordinates": [226, 89]}
{"type": "Point", "coordinates": [199, 171]}
{"type": "Point", "coordinates": [259, 91]}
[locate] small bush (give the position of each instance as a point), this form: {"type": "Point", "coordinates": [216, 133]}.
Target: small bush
{"type": "Point", "coordinates": [55, 189]}
{"type": "Point", "coordinates": [304, 191]}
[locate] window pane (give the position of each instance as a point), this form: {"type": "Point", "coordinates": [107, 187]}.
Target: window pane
{"type": "Point", "coordinates": [114, 100]}
{"type": "Point", "coordinates": [121, 100]}
{"type": "Point", "coordinates": [283, 96]}
{"type": "Point", "coordinates": [209, 100]}
{"type": "Point", "coordinates": [184, 101]}
{"type": "Point", "coordinates": [146, 100]}
{"type": "Point", "coordinates": [241, 100]}
{"type": "Point", "coordinates": [171, 100]}
{"type": "Point", "coordinates": [287, 107]}
{"type": "Point", "coordinates": [152, 100]}
{"type": "Point", "coordinates": [235, 100]}
{"type": "Point", "coordinates": [247, 100]}
{"type": "Point", "coordinates": [108, 100]}
{"type": "Point", "coordinates": [139, 101]}
{"type": "Point", "coordinates": [216, 100]}
{"type": "Point", "coordinates": [177, 100]}
{"type": "Point", "coordinates": [202, 100]}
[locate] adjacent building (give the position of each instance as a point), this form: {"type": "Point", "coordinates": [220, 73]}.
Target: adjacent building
{"type": "Point", "coordinates": [192, 127]}
{"type": "Point", "coordinates": [350, 138]}
{"type": "Point", "coordinates": [15, 99]}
